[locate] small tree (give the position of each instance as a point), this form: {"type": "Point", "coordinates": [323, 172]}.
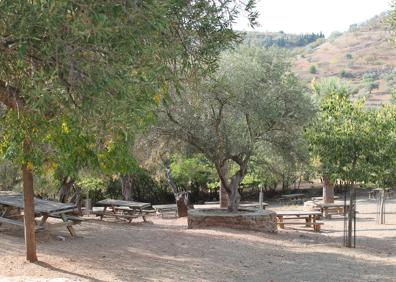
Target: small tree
{"type": "Point", "coordinates": [253, 101]}
{"type": "Point", "coordinates": [341, 137]}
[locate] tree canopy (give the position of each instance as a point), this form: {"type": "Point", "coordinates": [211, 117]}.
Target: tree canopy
{"type": "Point", "coordinates": [252, 101]}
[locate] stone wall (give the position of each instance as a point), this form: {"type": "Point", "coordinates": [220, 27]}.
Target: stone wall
{"type": "Point", "coordinates": [257, 220]}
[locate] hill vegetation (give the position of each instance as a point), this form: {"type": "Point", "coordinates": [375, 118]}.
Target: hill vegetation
{"type": "Point", "coordinates": [364, 56]}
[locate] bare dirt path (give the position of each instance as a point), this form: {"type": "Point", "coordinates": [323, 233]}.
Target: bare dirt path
{"type": "Point", "coordinates": [167, 251]}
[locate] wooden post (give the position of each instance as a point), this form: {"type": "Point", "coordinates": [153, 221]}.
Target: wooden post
{"type": "Point", "coordinates": [28, 210]}
{"type": "Point", "coordinates": [261, 198]}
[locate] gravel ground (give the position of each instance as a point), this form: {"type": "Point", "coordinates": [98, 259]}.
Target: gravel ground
{"type": "Point", "coordinates": [167, 251]}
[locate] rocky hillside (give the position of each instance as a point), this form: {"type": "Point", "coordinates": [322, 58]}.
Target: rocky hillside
{"type": "Point", "coordinates": [364, 56]}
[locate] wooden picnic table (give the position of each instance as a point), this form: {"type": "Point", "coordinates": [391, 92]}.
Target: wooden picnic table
{"type": "Point", "coordinates": [310, 218]}
{"type": "Point", "coordinates": [169, 209]}
{"type": "Point", "coordinates": [11, 201]}
{"type": "Point", "coordinates": [332, 208]}
{"type": "Point", "coordinates": [373, 194]}
{"type": "Point", "coordinates": [123, 209]}
{"type": "Point", "coordinates": [292, 198]}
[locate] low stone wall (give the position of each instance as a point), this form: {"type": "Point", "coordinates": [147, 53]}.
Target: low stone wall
{"type": "Point", "coordinates": [257, 220]}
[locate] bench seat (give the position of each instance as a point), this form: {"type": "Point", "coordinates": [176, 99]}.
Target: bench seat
{"type": "Point", "coordinates": [316, 225]}
{"type": "Point", "coordinates": [17, 223]}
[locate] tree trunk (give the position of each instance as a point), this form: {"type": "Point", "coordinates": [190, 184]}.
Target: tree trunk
{"type": "Point", "coordinates": [181, 198]}
{"type": "Point", "coordinates": [28, 210]}
{"type": "Point", "coordinates": [234, 197]}
{"type": "Point", "coordinates": [223, 196]}
{"type": "Point", "coordinates": [126, 187]}
{"type": "Point", "coordinates": [328, 190]}
{"type": "Point", "coordinates": [182, 204]}
{"type": "Point", "coordinates": [64, 191]}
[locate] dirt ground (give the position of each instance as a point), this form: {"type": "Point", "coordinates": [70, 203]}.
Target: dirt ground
{"type": "Point", "coordinates": [167, 251]}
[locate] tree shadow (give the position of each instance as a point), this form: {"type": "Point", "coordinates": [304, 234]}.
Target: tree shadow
{"type": "Point", "coordinates": [59, 270]}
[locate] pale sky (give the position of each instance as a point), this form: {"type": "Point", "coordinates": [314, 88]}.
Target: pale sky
{"type": "Point", "coordinates": [306, 16]}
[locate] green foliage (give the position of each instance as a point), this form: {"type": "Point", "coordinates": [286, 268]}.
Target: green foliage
{"type": "Point", "coordinates": [253, 102]}
{"type": "Point", "coordinates": [334, 35]}
{"type": "Point", "coordinates": [369, 81]}
{"type": "Point", "coordinates": [312, 69]}
{"type": "Point", "coordinates": [348, 141]}
{"type": "Point", "coordinates": [280, 39]}
{"type": "Point", "coordinates": [349, 56]}
{"type": "Point", "coordinates": [79, 79]}
{"type": "Point", "coordinates": [195, 169]}
{"type": "Point", "coordinates": [345, 74]}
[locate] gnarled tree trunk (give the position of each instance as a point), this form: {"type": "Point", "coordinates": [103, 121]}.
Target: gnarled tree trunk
{"type": "Point", "coordinates": [328, 190]}
{"type": "Point", "coordinates": [232, 186]}
{"type": "Point", "coordinates": [180, 197]}
{"type": "Point", "coordinates": [127, 187]}
{"type": "Point", "coordinates": [223, 196]}
{"type": "Point", "coordinates": [66, 186]}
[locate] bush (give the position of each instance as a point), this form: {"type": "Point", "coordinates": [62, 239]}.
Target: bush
{"type": "Point", "coordinates": [312, 69]}
{"type": "Point", "coordinates": [346, 74]}
{"type": "Point", "coordinates": [348, 56]}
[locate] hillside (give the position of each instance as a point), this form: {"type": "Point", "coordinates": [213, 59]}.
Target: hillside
{"type": "Point", "coordinates": [364, 57]}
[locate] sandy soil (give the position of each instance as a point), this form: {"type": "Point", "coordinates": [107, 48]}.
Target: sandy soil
{"type": "Point", "coordinates": [167, 251]}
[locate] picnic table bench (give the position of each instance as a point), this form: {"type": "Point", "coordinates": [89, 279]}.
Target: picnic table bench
{"type": "Point", "coordinates": [11, 201]}
{"type": "Point", "coordinates": [332, 208]}
{"type": "Point", "coordinates": [310, 219]}
{"type": "Point", "coordinates": [122, 209]}
{"type": "Point", "coordinates": [296, 198]}
{"type": "Point", "coordinates": [169, 210]}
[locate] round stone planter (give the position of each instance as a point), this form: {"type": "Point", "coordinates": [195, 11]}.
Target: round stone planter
{"type": "Point", "coordinates": [257, 220]}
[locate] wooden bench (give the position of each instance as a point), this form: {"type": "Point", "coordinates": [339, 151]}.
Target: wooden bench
{"type": "Point", "coordinates": [17, 223]}
{"type": "Point", "coordinates": [316, 225]}
{"type": "Point", "coordinates": [309, 218]}
{"type": "Point", "coordinates": [168, 210]}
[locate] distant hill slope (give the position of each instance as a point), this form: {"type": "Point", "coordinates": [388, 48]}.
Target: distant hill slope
{"type": "Point", "coordinates": [364, 56]}
{"type": "Point", "coordinates": [281, 39]}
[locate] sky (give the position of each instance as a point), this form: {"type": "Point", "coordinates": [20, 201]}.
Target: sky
{"type": "Point", "coordinates": [306, 16]}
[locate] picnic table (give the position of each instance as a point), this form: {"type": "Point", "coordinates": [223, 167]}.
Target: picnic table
{"type": "Point", "coordinates": [292, 198]}
{"type": "Point", "coordinates": [309, 217]}
{"type": "Point", "coordinates": [332, 208]}
{"type": "Point", "coordinates": [168, 210]}
{"type": "Point", "coordinates": [123, 209]}
{"type": "Point", "coordinates": [373, 194]}
{"type": "Point", "coordinates": [11, 205]}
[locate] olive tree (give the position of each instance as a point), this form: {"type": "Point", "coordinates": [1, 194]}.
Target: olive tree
{"type": "Point", "coordinates": [252, 101]}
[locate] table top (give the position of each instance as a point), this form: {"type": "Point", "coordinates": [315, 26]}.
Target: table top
{"type": "Point", "coordinates": [292, 195]}
{"type": "Point", "coordinates": [296, 213]}
{"type": "Point", "coordinates": [169, 206]}
{"type": "Point", "coordinates": [120, 203]}
{"type": "Point", "coordinates": [321, 198]}
{"type": "Point", "coordinates": [331, 205]}
{"type": "Point", "coordinates": [253, 205]}
{"type": "Point", "coordinates": [40, 206]}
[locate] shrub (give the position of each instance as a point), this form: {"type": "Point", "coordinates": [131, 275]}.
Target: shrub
{"type": "Point", "coordinates": [312, 69]}
{"type": "Point", "coordinates": [346, 74]}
